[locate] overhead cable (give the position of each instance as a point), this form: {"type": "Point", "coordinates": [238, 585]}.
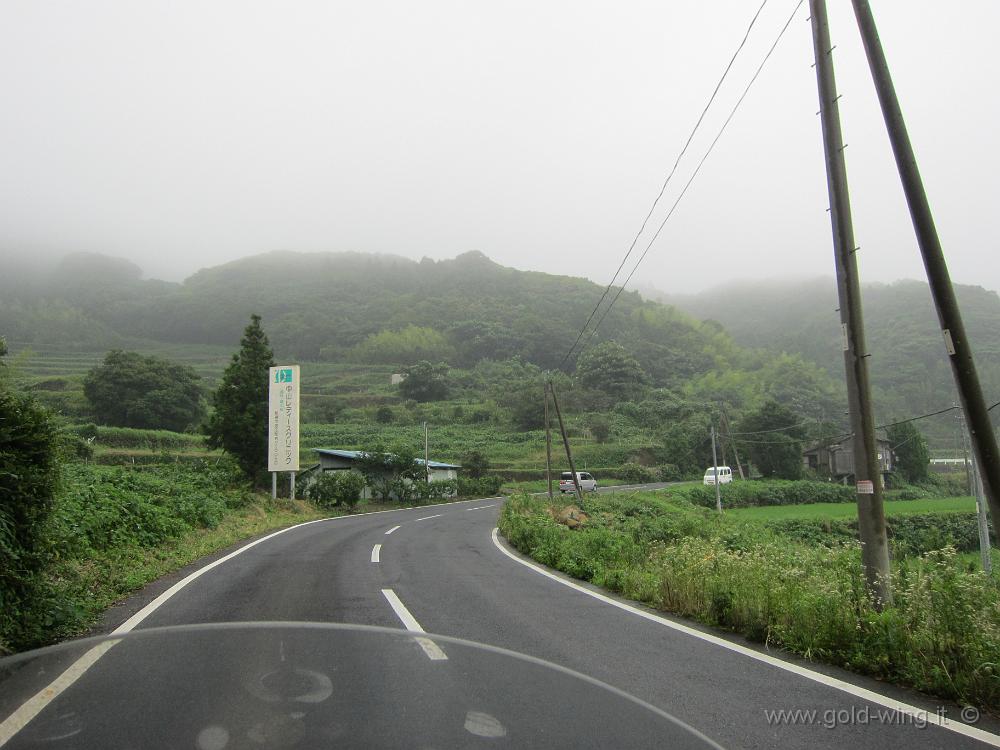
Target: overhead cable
{"type": "Point", "coordinates": [663, 188]}
{"type": "Point", "coordinates": [698, 168]}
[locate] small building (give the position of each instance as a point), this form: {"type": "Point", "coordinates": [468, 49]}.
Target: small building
{"type": "Point", "coordinates": [340, 460]}
{"type": "Point", "coordinates": [836, 460]}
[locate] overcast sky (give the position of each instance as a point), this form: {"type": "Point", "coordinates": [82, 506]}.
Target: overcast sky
{"type": "Point", "coordinates": [186, 134]}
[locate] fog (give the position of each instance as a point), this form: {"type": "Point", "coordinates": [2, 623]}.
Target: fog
{"type": "Point", "coordinates": [181, 135]}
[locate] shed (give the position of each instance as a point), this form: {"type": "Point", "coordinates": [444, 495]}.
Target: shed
{"type": "Point", "coordinates": [836, 460]}
{"type": "Point", "coordinates": [341, 460]}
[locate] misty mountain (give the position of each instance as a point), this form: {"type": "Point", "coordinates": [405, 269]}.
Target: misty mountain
{"type": "Point", "coordinates": [342, 306]}
{"type": "Point", "coordinates": [909, 367]}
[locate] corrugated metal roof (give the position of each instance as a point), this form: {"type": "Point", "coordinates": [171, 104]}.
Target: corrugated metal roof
{"type": "Point", "coordinates": [352, 455]}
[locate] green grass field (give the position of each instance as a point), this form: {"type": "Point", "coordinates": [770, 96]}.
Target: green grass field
{"type": "Point", "coordinates": [849, 510]}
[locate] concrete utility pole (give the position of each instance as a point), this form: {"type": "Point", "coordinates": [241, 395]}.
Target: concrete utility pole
{"type": "Point", "coordinates": [963, 367]}
{"type": "Point", "coordinates": [427, 466]}
{"type": "Point", "coordinates": [867, 472]}
{"type": "Point", "coordinates": [729, 439]}
{"type": "Point", "coordinates": [975, 485]}
{"type": "Point", "coordinates": [569, 454]}
{"type": "Point", "coordinates": [715, 465]}
{"type": "Point", "coordinates": [548, 443]}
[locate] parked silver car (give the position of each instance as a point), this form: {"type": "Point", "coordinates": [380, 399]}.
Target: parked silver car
{"type": "Point", "coordinates": [586, 480]}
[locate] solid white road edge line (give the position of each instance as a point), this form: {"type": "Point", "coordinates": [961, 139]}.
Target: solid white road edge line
{"type": "Point", "coordinates": [375, 552]}
{"type": "Point", "coordinates": [433, 651]}
{"type": "Point", "coordinates": [929, 717]}
{"type": "Point", "coordinates": [29, 710]}
{"type": "Point", "coordinates": [33, 706]}
{"type": "Point", "coordinates": [391, 530]}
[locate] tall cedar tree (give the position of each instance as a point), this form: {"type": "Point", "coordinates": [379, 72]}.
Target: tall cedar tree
{"type": "Point", "coordinates": [774, 440]}
{"type": "Point", "coordinates": [239, 423]}
{"type": "Point", "coordinates": [912, 458]}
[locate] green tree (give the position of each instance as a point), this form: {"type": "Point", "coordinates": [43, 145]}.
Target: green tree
{"type": "Point", "coordinates": [475, 464]}
{"type": "Point", "coordinates": [388, 473]}
{"type": "Point", "coordinates": [28, 481]}
{"type": "Point", "coordinates": [425, 382]}
{"type": "Point", "coordinates": [773, 437]}
{"type": "Point", "coordinates": [608, 367]}
{"type": "Point", "coordinates": [333, 488]}
{"type": "Point", "coordinates": [132, 390]}
{"type": "Point", "coordinates": [239, 423]}
{"type": "Point", "coordinates": [912, 458]}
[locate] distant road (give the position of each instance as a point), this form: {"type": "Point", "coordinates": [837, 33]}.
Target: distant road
{"type": "Point", "coordinates": [442, 569]}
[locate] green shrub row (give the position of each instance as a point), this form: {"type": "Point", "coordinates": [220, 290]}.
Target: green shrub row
{"type": "Point", "coordinates": [941, 634]}
{"type": "Point", "coordinates": [742, 494]}
{"type": "Point", "coordinates": [909, 535]}
{"type": "Point", "coordinates": [487, 486]}
{"type": "Point", "coordinates": [128, 437]}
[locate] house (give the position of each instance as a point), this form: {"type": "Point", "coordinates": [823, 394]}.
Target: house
{"type": "Point", "coordinates": [339, 460]}
{"type": "Point", "coordinates": [836, 460]}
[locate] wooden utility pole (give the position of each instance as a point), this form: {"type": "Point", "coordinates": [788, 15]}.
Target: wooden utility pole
{"type": "Point", "coordinates": [867, 471]}
{"type": "Point", "coordinates": [956, 342]}
{"type": "Point", "coordinates": [569, 454]}
{"type": "Point", "coordinates": [548, 444]}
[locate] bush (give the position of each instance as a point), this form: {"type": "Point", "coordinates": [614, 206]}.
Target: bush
{"type": "Point", "coordinates": [336, 488]}
{"type": "Point", "coordinates": [487, 486]}
{"type": "Point", "coordinates": [670, 473]}
{"type": "Point", "coordinates": [742, 494]}
{"type": "Point", "coordinates": [426, 492]}
{"type": "Point", "coordinates": [633, 473]}
{"type": "Point", "coordinates": [475, 464]}
{"type": "Point", "coordinates": [28, 483]}
{"type": "Point", "coordinates": [909, 535]}
{"type": "Point", "coordinates": [940, 635]}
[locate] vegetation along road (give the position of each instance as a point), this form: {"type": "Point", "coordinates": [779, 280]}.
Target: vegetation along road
{"type": "Point", "coordinates": [446, 569]}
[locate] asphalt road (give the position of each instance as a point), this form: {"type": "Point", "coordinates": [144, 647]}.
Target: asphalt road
{"type": "Point", "coordinates": [442, 569]}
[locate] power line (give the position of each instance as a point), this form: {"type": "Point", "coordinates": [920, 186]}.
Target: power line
{"type": "Point", "coordinates": [844, 435]}
{"type": "Point", "coordinates": [666, 182]}
{"type": "Point", "coordinates": [698, 168]}
{"type": "Point", "coordinates": [776, 429]}
{"type": "Point", "coordinates": [914, 419]}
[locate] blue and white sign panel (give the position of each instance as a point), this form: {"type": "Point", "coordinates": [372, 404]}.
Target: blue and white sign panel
{"type": "Point", "coordinates": [283, 419]}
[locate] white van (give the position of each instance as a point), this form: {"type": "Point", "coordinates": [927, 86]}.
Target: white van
{"type": "Point", "coordinates": [725, 475]}
{"type": "Point", "coordinates": [586, 480]}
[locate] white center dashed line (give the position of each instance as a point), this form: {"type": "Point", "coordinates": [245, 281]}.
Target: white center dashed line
{"type": "Point", "coordinates": [391, 530]}
{"type": "Point", "coordinates": [376, 550]}
{"type": "Point", "coordinates": [436, 515]}
{"type": "Point", "coordinates": [433, 651]}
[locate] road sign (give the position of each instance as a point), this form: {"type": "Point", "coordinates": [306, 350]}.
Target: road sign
{"type": "Point", "coordinates": [283, 419]}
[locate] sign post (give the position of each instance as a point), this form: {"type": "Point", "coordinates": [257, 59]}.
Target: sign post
{"type": "Point", "coordinates": [283, 423]}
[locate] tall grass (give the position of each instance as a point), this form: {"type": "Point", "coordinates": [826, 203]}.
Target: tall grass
{"type": "Point", "coordinates": [941, 634]}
